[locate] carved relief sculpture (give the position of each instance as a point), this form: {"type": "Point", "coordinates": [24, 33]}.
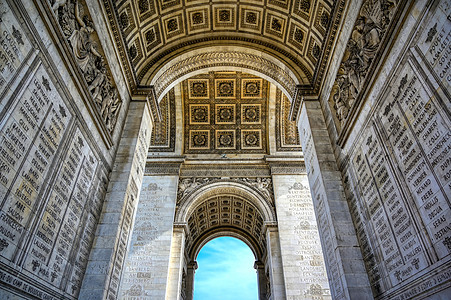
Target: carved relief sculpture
{"type": "Point", "coordinates": [362, 47]}
{"type": "Point", "coordinates": [78, 29]}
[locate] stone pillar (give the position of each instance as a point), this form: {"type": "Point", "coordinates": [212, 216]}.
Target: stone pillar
{"type": "Point", "coordinates": [277, 283]}
{"type": "Point", "coordinates": [176, 262]}
{"type": "Point", "coordinates": [190, 270]}
{"type": "Point", "coordinates": [302, 257]}
{"type": "Point", "coordinates": [109, 249]}
{"type": "Point", "coordinates": [345, 267]}
{"type": "Point", "coordinates": [147, 266]}
{"type": "Point", "coordinates": [261, 278]}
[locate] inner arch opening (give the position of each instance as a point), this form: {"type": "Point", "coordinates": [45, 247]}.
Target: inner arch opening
{"type": "Point", "coordinates": [225, 271]}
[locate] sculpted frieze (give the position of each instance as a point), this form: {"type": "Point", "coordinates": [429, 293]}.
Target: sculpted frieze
{"type": "Point", "coordinates": [77, 26]}
{"type": "Point", "coordinates": [366, 37]}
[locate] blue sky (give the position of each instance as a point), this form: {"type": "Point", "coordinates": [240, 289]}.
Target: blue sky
{"type": "Point", "coordinates": [225, 271]}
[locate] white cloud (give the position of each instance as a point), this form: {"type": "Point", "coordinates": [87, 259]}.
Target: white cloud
{"type": "Point", "coordinates": [226, 271]}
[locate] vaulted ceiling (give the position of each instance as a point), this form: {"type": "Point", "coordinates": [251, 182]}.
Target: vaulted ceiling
{"type": "Point", "coordinates": [150, 33]}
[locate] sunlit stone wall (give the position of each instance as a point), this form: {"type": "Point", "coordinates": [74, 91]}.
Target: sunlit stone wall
{"type": "Point", "coordinates": [302, 257]}
{"type": "Point", "coordinates": [55, 157]}
{"type": "Point", "coordinates": [395, 160]}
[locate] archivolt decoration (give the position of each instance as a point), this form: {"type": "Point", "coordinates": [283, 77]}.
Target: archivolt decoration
{"type": "Point", "coordinates": [223, 214]}
{"type": "Point", "coordinates": [195, 190]}
{"type": "Point", "coordinates": [261, 185]}
{"type": "Point", "coordinates": [77, 26]}
{"type": "Point", "coordinates": [266, 67]}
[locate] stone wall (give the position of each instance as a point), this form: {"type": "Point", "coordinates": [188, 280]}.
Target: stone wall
{"type": "Point", "coordinates": [55, 157]}
{"type": "Point", "coordinates": [147, 263]}
{"type": "Point", "coordinates": [394, 159]}
{"type": "Point", "coordinates": [302, 256]}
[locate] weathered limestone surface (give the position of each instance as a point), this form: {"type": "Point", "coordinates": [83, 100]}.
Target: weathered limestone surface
{"type": "Point", "coordinates": [148, 262]}
{"type": "Point", "coordinates": [277, 287]}
{"type": "Point", "coordinates": [302, 256]}
{"type": "Point", "coordinates": [53, 170]}
{"type": "Point", "coordinates": [176, 264]}
{"type": "Point", "coordinates": [396, 162]}
{"type": "Point", "coordinates": [346, 272]}
{"type": "Point", "coordinates": [106, 262]}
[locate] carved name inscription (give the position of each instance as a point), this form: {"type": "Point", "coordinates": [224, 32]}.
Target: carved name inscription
{"type": "Point", "coordinates": [125, 231]}
{"type": "Point", "coordinates": [60, 225]}
{"type": "Point", "coordinates": [324, 224]}
{"type": "Point", "coordinates": [14, 45]}
{"type": "Point", "coordinates": [28, 144]}
{"type": "Point", "coordinates": [392, 227]}
{"type": "Point", "coordinates": [420, 139]}
{"type": "Point", "coordinates": [372, 262]}
{"type": "Point", "coordinates": [403, 160]}
{"type": "Point", "coordinates": [435, 43]}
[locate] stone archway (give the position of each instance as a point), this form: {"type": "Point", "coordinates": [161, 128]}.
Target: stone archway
{"type": "Point", "coordinates": [225, 208]}
{"type": "Point", "coordinates": [236, 58]}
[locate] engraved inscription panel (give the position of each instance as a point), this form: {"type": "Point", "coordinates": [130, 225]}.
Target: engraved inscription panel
{"type": "Point", "coordinates": [146, 265]}
{"type": "Point", "coordinates": [420, 137]}
{"type": "Point", "coordinates": [435, 43]}
{"type": "Point", "coordinates": [392, 226]}
{"type": "Point", "coordinates": [400, 174]}
{"type": "Point", "coordinates": [28, 144]}
{"type": "Point", "coordinates": [299, 239]}
{"type": "Point", "coordinates": [59, 227]}
{"type": "Point", "coordinates": [14, 46]}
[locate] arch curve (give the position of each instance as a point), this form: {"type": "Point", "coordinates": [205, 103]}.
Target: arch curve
{"type": "Point", "coordinates": [215, 58]}
{"type": "Point", "coordinates": [222, 208]}
{"type": "Point", "coordinates": [233, 188]}
{"type": "Point", "coordinates": [221, 232]}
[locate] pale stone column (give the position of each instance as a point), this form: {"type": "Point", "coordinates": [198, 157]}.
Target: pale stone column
{"type": "Point", "coordinates": [190, 270]}
{"type": "Point", "coordinates": [104, 269]}
{"type": "Point", "coordinates": [176, 262]}
{"type": "Point", "coordinates": [261, 278]}
{"type": "Point", "coordinates": [345, 267]}
{"type": "Point", "coordinates": [302, 257]}
{"type": "Point", "coordinates": [277, 283]}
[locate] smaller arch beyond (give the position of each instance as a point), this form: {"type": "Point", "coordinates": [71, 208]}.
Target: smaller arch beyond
{"type": "Point", "coordinates": [222, 232]}
{"type": "Point", "coordinates": [215, 58]}
{"type": "Point", "coordinates": [232, 188]}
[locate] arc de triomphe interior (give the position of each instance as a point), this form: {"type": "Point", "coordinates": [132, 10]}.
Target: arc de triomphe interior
{"type": "Point", "coordinates": [133, 132]}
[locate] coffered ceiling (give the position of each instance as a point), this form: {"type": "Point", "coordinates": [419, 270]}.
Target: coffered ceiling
{"type": "Point", "coordinates": [225, 112]}
{"type": "Point", "coordinates": [150, 32]}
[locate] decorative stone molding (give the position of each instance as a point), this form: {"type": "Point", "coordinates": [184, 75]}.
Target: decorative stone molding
{"type": "Point", "coordinates": [287, 168]}
{"type": "Point", "coordinates": [296, 103]}
{"type": "Point", "coordinates": [221, 170]}
{"type": "Point", "coordinates": [163, 132]}
{"type": "Point", "coordinates": [287, 132]}
{"type": "Point", "coordinates": [188, 185]}
{"type": "Point", "coordinates": [163, 165]}
{"type": "Point", "coordinates": [154, 108]}
{"type": "Point", "coordinates": [235, 214]}
{"type": "Point", "coordinates": [286, 165]}
{"type": "Point", "coordinates": [223, 58]}
{"type": "Point", "coordinates": [214, 187]}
